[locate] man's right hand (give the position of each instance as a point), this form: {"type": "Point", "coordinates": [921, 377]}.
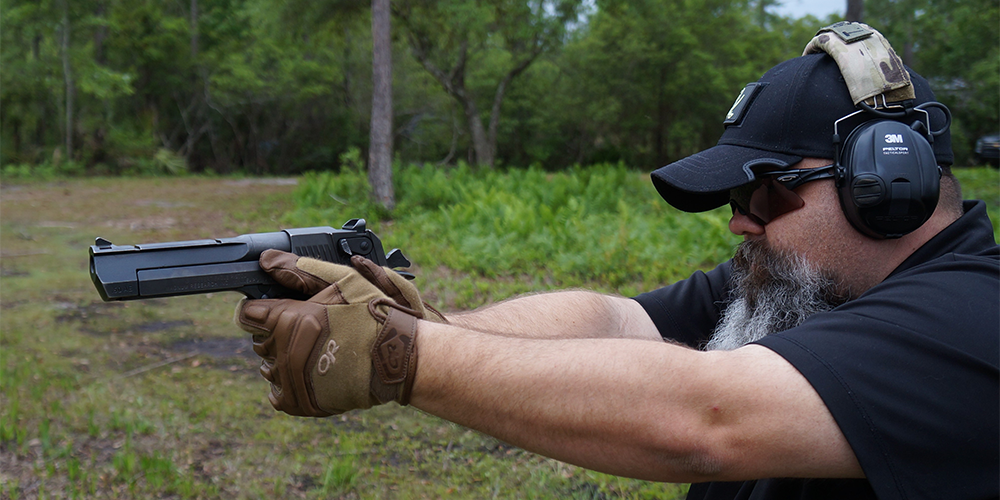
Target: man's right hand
{"type": "Point", "coordinates": [351, 345]}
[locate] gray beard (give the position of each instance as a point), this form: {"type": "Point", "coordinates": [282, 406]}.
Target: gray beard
{"type": "Point", "coordinates": [771, 292]}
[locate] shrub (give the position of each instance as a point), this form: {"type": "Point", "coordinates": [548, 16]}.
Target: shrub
{"type": "Point", "coordinates": [600, 224]}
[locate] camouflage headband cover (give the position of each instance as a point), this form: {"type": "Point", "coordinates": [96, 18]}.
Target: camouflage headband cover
{"type": "Point", "coordinates": [878, 72]}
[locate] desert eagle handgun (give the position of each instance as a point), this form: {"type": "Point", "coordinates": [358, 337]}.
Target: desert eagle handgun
{"type": "Point", "coordinates": [132, 272]}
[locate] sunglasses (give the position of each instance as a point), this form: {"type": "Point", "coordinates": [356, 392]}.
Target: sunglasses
{"type": "Point", "coordinates": [772, 195]}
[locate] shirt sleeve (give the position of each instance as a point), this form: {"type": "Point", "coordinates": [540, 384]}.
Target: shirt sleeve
{"type": "Point", "coordinates": [687, 311]}
{"type": "Point", "coordinates": [910, 373]}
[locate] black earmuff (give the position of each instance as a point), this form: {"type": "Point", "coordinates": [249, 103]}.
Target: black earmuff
{"type": "Point", "coordinates": [887, 176]}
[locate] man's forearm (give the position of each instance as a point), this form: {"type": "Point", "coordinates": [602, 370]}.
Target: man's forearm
{"type": "Point", "coordinates": [583, 401]}
{"type": "Point", "coordinates": [649, 410]}
{"type": "Point", "coordinates": [561, 315]}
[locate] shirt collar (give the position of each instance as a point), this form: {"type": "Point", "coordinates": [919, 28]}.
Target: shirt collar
{"type": "Point", "coordinates": [971, 234]}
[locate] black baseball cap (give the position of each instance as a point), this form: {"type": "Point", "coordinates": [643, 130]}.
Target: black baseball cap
{"type": "Point", "coordinates": [776, 121]}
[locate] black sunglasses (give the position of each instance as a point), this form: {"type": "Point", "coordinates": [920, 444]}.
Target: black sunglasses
{"type": "Point", "coordinates": [772, 195]}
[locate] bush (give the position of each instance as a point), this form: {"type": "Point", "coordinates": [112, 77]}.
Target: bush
{"type": "Point", "coordinates": [600, 224]}
{"type": "Point", "coordinates": [40, 172]}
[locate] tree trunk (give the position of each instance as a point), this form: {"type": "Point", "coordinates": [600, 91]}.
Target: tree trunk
{"type": "Point", "coordinates": [908, 55]}
{"type": "Point", "coordinates": [100, 58]}
{"type": "Point", "coordinates": [661, 118]}
{"type": "Point", "coordinates": [194, 30]}
{"type": "Point", "coordinates": [193, 112]}
{"type": "Point", "coordinates": [68, 79]}
{"type": "Point", "coordinates": [481, 145]}
{"type": "Point", "coordinates": [454, 83]}
{"type": "Point", "coordinates": [100, 34]}
{"type": "Point", "coordinates": [855, 10]}
{"type": "Point", "coordinates": [41, 125]}
{"type": "Point", "coordinates": [380, 139]}
{"type": "Point", "coordinates": [16, 125]}
{"type": "Point", "coordinates": [491, 139]}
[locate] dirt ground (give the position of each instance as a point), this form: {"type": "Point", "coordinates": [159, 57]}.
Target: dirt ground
{"type": "Point", "coordinates": [194, 207]}
{"type": "Point", "coordinates": [131, 211]}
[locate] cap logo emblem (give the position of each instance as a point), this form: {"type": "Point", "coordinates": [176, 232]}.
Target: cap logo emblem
{"type": "Point", "coordinates": [739, 99]}
{"type": "Point", "coordinates": [742, 103]}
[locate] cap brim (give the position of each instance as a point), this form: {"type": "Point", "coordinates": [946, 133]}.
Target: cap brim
{"type": "Point", "coordinates": [702, 181]}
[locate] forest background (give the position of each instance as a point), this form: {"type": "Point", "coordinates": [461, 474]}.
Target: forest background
{"type": "Point", "coordinates": [258, 87]}
{"type": "Point", "coordinates": [522, 132]}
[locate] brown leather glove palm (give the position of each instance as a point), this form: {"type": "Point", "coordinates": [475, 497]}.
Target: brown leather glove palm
{"type": "Point", "coordinates": [351, 345]}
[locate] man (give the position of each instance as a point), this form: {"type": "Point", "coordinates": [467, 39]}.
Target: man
{"type": "Point", "coordinates": [838, 365]}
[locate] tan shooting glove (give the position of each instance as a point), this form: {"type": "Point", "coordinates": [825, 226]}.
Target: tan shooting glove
{"type": "Point", "coordinates": [351, 345]}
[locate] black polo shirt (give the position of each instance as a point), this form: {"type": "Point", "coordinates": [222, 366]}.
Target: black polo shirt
{"type": "Point", "coordinates": [910, 370]}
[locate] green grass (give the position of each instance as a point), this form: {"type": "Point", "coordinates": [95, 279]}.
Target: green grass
{"type": "Point", "coordinates": [130, 400]}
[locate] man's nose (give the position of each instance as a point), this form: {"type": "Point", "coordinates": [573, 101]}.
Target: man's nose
{"type": "Point", "coordinates": [742, 225]}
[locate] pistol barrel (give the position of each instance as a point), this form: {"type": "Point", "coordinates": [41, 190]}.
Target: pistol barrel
{"type": "Point", "coordinates": [130, 272]}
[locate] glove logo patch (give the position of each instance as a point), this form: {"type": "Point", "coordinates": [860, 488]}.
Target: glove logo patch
{"type": "Point", "coordinates": [393, 354]}
{"type": "Point", "coordinates": [326, 360]}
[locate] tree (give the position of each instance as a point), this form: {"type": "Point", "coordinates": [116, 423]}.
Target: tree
{"type": "Point", "coordinates": [956, 45]}
{"type": "Point", "coordinates": [652, 79]}
{"type": "Point", "coordinates": [380, 144]}
{"type": "Point", "coordinates": [495, 41]}
{"type": "Point", "coordinates": [855, 11]}
{"type": "Point", "coordinates": [70, 90]}
{"type": "Point", "coordinates": [30, 81]}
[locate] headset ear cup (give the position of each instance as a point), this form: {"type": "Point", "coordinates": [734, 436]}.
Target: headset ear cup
{"type": "Point", "coordinates": [890, 181]}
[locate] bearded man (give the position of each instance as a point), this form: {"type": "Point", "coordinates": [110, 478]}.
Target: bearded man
{"type": "Point", "coordinates": [849, 350]}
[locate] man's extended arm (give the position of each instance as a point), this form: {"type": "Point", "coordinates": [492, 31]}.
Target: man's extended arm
{"type": "Point", "coordinates": [562, 315]}
{"type": "Point", "coordinates": [632, 407]}
{"type": "Point", "coordinates": [648, 410]}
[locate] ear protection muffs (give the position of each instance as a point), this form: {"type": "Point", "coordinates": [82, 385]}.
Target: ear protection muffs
{"type": "Point", "coordinates": [886, 173]}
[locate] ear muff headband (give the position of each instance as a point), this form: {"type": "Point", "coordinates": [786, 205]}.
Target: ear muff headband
{"type": "Point", "coordinates": [887, 175]}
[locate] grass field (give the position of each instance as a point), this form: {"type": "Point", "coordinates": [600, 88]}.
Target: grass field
{"type": "Point", "coordinates": [161, 398]}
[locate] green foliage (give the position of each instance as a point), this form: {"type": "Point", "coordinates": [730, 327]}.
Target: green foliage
{"type": "Point", "coordinates": [982, 183]}
{"type": "Point", "coordinates": [601, 224]}
{"type": "Point", "coordinates": [962, 64]}
{"type": "Point", "coordinates": [42, 172]}
{"type": "Point", "coordinates": [644, 82]}
{"type": "Point", "coordinates": [285, 87]}
{"type": "Point", "coordinates": [475, 50]}
{"type": "Point", "coordinates": [345, 191]}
